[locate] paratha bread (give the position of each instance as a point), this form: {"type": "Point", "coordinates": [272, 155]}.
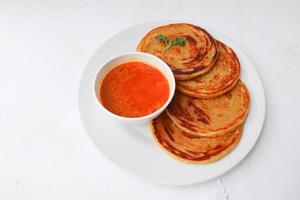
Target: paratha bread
{"type": "Point", "coordinates": [219, 80]}
{"type": "Point", "coordinates": [210, 117]}
{"type": "Point", "coordinates": [196, 57]}
{"type": "Point", "coordinates": [189, 148]}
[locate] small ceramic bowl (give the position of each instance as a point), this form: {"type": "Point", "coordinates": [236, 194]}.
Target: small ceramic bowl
{"type": "Point", "coordinates": [128, 57]}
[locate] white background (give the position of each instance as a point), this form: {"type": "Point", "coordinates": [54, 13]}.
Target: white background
{"type": "Point", "coordinates": [44, 47]}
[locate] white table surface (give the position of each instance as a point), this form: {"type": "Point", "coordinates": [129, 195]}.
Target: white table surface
{"type": "Point", "coordinates": [44, 47]}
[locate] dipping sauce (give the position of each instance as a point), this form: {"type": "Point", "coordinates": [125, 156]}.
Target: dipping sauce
{"type": "Point", "coordinates": [134, 89]}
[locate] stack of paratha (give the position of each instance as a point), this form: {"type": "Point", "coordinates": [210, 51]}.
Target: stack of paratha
{"type": "Point", "coordinates": [204, 121]}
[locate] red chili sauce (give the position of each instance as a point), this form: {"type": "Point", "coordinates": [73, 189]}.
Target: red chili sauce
{"type": "Point", "coordinates": [134, 89]}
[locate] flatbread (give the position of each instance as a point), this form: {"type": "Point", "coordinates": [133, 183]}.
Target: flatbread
{"type": "Point", "coordinates": [189, 148]}
{"type": "Point", "coordinates": [210, 117]}
{"type": "Point", "coordinates": [196, 57]}
{"type": "Point", "coordinates": [219, 80]}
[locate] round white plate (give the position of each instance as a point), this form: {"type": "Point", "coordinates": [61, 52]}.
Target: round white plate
{"type": "Point", "coordinates": [132, 148]}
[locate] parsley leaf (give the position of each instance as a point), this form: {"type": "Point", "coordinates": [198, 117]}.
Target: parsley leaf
{"type": "Point", "coordinates": [177, 41]}
{"type": "Point", "coordinates": [162, 38]}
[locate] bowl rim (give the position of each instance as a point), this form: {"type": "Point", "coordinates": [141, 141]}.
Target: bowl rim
{"type": "Point", "coordinates": [169, 76]}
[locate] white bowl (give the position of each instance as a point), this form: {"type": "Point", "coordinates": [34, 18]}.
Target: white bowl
{"type": "Point", "coordinates": [135, 56]}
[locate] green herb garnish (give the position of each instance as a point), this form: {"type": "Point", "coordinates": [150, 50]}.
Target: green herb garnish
{"type": "Point", "coordinates": [162, 38]}
{"type": "Point", "coordinates": [177, 41]}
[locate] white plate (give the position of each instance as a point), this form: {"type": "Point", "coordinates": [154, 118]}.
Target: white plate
{"type": "Point", "coordinates": [132, 148]}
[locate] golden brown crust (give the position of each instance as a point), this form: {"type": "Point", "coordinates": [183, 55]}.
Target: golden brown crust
{"type": "Point", "coordinates": [204, 121]}
{"type": "Point", "coordinates": [210, 117]}
{"type": "Point", "coordinates": [219, 80]}
{"type": "Point", "coordinates": [192, 149]}
{"type": "Point", "coordinates": [196, 57]}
